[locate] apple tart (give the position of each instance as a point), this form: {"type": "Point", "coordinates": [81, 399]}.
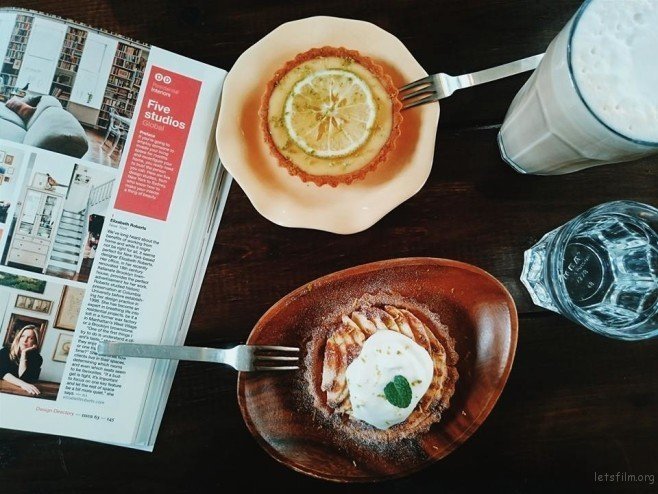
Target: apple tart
{"type": "Point", "coordinates": [330, 116]}
{"type": "Point", "coordinates": [388, 369]}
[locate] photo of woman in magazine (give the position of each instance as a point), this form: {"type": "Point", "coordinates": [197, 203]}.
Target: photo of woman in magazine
{"type": "Point", "coordinates": [37, 322]}
{"type": "Point", "coordinates": [20, 364]}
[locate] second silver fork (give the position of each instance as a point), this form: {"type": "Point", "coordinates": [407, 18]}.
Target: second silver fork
{"type": "Point", "coordinates": [438, 86]}
{"type": "Point", "coordinates": [245, 358]}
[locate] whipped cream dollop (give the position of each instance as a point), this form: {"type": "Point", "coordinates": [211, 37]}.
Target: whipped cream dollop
{"type": "Point", "coordinates": [385, 355]}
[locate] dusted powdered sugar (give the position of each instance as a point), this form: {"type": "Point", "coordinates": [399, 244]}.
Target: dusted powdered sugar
{"type": "Point", "coordinates": [615, 64]}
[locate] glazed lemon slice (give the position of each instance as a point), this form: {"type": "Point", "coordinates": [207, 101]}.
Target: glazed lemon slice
{"type": "Point", "coordinates": [330, 113]}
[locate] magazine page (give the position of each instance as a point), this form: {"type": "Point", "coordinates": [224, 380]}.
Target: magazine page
{"type": "Point", "coordinates": [106, 166]}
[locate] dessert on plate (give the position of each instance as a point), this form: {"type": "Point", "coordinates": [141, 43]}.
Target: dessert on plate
{"type": "Point", "coordinates": [330, 116]}
{"type": "Point", "coordinates": [386, 368]}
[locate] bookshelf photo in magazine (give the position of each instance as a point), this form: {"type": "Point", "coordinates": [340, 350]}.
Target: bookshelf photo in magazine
{"type": "Point", "coordinates": [111, 193]}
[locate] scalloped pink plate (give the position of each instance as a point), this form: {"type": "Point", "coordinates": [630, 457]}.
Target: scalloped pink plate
{"type": "Point", "coordinates": [286, 200]}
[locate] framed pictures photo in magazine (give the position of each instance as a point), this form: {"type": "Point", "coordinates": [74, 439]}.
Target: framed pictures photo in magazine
{"type": "Point", "coordinates": [33, 304]}
{"type": "Point", "coordinates": [18, 322]}
{"type": "Point", "coordinates": [69, 308]}
{"type": "Point", "coordinates": [63, 347]}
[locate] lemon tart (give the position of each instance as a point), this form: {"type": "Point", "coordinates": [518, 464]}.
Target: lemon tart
{"type": "Point", "coordinates": [330, 116]}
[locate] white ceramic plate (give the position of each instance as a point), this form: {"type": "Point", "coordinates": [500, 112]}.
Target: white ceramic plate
{"type": "Point", "coordinates": [285, 199]}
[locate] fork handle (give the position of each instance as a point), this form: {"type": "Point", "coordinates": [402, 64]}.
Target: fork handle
{"type": "Point", "coordinates": [499, 72]}
{"type": "Point", "coordinates": [171, 352]}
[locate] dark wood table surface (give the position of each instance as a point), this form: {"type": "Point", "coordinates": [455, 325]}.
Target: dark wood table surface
{"type": "Point", "coordinates": [576, 404]}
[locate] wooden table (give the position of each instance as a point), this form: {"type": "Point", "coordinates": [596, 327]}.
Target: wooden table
{"type": "Point", "coordinates": [576, 404]}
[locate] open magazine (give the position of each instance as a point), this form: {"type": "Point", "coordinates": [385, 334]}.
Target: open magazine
{"type": "Point", "coordinates": [111, 193]}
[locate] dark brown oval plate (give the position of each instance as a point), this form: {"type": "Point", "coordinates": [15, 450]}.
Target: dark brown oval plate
{"type": "Point", "coordinates": [481, 317]}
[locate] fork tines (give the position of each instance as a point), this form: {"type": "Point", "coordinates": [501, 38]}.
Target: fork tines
{"type": "Point", "coordinates": [268, 357]}
{"type": "Point", "coordinates": [418, 93]}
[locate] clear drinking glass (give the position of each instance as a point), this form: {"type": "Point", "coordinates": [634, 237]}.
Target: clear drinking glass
{"type": "Point", "coordinates": [551, 127]}
{"type": "Point", "coordinates": [600, 270]}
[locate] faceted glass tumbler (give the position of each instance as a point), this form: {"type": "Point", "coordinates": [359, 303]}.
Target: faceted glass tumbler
{"type": "Point", "coordinates": [600, 270]}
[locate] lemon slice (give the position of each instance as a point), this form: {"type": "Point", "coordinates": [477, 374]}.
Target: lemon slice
{"type": "Point", "coordinates": [330, 113]}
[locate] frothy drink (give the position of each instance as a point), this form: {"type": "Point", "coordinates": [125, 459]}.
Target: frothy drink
{"type": "Point", "coordinates": [594, 98]}
{"type": "Point", "coordinates": [614, 57]}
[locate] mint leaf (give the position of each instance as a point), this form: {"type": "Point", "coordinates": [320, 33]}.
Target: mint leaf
{"type": "Point", "coordinates": [398, 392]}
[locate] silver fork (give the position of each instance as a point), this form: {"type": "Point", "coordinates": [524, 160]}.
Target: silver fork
{"type": "Point", "coordinates": [242, 357]}
{"type": "Point", "coordinates": [438, 86]}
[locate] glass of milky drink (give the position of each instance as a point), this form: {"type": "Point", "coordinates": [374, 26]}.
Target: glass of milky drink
{"type": "Point", "coordinates": [600, 270]}
{"type": "Point", "coordinates": [594, 97]}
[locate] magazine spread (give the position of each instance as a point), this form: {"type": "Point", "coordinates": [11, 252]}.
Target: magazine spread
{"type": "Point", "coordinates": [111, 193]}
